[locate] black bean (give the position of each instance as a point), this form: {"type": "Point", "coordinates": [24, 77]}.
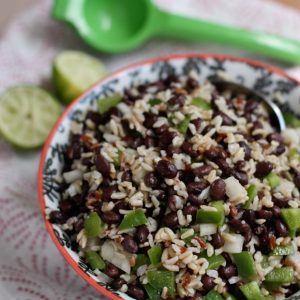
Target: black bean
{"type": "Point", "coordinates": [247, 149]}
{"type": "Point", "coordinates": [166, 169]}
{"type": "Point", "coordinates": [172, 202]}
{"type": "Point", "coordinates": [192, 83]}
{"type": "Point", "coordinates": [194, 200]}
{"type": "Point", "coordinates": [170, 191]}
{"type": "Point", "coordinates": [57, 217]}
{"type": "Point", "coordinates": [280, 202]}
{"type": "Point", "coordinates": [246, 232]}
{"type": "Point", "coordinates": [280, 149]}
{"type": "Point", "coordinates": [208, 282]}
{"type": "Point", "coordinates": [177, 101]}
{"type": "Point", "coordinates": [107, 192]}
{"type": "Point", "coordinates": [263, 168]}
{"type": "Point", "coordinates": [190, 210]}
{"type": "Point", "coordinates": [187, 176]}
{"type": "Point", "coordinates": [171, 220]}
{"type": "Point", "coordinates": [242, 177]}
{"type": "Point", "coordinates": [188, 149]}
{"type": "Point", "coordinates": [276, 211]}
{"type": "Point", "coordinates": [216, 240]}
{"type": "Point", "coordinates": [240, 165]}
{"type": "Point", "coordinates": [249, 217]}
{"type": "Point", "coordinates": [197, 186]}
{"type": "Point", "coordinates": [151, 180]}
{"type": "Point", "coordinates": [161, 195]}
{"type": "Point", "coordinates": [74, 151]}
{"type": "Point", "coordinates": [171, 150]}
{"type": "Point", "coordinates": [280, 228]}
{"type": "Point", "coordinates": [207, 129]}
{"type": "Point", "coordinates": [166, 139]}
{"type": "Point", "coordinates": [136, 292]}
{"type": "Point", "coordinates": [297, 181]}
{"type": "Point", "coordinates": [226, 120]}
{"type": "Point", "coordinates": [66, 206]}
{"type": "Point", "coordinates": [217, 189]}
{"type": "Point", "coordinates": [127, 176]}
{"type": "Point", "coordinates": [264, 214]}
{"type": "Point", "coordinates": [215, 152]}
{"type": "Point", "coordinates": [121, 205]}
{"type": "Point", "coordinates": [160, 130]}
{"type": "Point", "coordinates": [86, 161]}
{"type": "Point", "coordinates": [134, 142]}
{"type": "Point", "coordinates": [102, 165]}
{"type": "Point", "coordinates": [251, 105]}
{"type": "Point", "coordinates": [94, 116]}
{"type": "Point", "coordinates": [202, 170]}
{"type": "Point", "coordinates": [224, 166]}
{"type": "Point", "coordinates": [129, 244]}
{"type": "Point", "coordinates": [142, 233]}
{"type": "Point", "coordinates": [111, 217]}
{"type": "Point", "coordinates": [112, 271]}
{"type": "Point", "coordinates": [150, 141]}
{"type": "Point", "coordinates": [197, 122]}
{"type": "Point", "coordinates": [117, 283]}
{"type": "Point", "coordinates": [150, 119]}
{"type": "Point", "coordinates": [114, 111]}
{"type": "Point", "coordinates": [227, 272]}
{"type": "Point", "coordinates": [275, 136]}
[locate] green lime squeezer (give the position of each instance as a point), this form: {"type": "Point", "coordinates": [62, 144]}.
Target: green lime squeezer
{"type": "Point", "coordinates": [115, 26]}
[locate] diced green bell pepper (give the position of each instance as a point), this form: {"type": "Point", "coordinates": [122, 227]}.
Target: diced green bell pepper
{"type": "Point", "coordinates": [201, 103]}
{"type": "Point", "coordinates": [117, 159]}
{"type": "Point", "coordinates": [291, 120]}
{"type": "Point", "coordinates": [141, 259]}
{"type": "Point", "coordinates": [284, 250]}
{"type": "Point", "coordinates": [251, 192]}
{"type": "Point", "coordinates": [214, 262]}
{"type": "Point", "coordinates": [213, 295]}
{"type": "Point", "coordinates": [153, 293]}
{"type": "Point", "coordinates": [155, 255]}
{"type": "Point", "coordinates": [133, 219]}
{"type": "Point", "coordinates": [212, 217]}
{"type": "Point", "coordinates": [106, 103]}
{"type": "Point", "coordinates": [184, 124]}
{"type": "Point", "coordinates": [291, 217]}
{"type": "Point", "coordinates": [294, 153]}
{"type": "Point", "coordinates": [95, 260]}
{"type": "Point", "coordinates": [245, 264]}
{"type": "Point", "coordinates": [229, 297]}
{"type": "Point", "coordinates": [93, 225]}
{"type": "Point", "coordinates": [251, 291]}
{"type": "Point", "coordinates": [160, 279]}
{"type": "Point", "coordinates": [280, 276]}
{"type": "Point", "coordinates": [273, 180]}
{"type": "Point", "coordinates": [154, 101]}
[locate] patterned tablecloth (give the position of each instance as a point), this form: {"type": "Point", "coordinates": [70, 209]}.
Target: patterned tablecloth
{"type": "Point", "coordinates": [30, 266]}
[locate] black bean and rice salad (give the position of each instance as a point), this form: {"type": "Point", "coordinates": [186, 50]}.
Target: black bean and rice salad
{"type": "Point", "coordinates": [176, 190]}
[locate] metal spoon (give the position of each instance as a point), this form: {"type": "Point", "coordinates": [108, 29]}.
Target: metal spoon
{"type": "Point", "coordinates": [276, 116]}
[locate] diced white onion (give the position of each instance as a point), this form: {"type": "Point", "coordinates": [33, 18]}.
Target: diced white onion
{"type": "Point", "coordinates": [207, 229]}
{"type": "Point", "coordinates": [233, 242]}
{"type": "Point", "coordinates": [113, 253]}
{"type": "Point", "coordinates": [235, 191]}
{"type": "Point", "coordinates": [72, 176]}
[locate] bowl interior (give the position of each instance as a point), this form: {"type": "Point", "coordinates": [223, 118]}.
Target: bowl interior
{"type": "Point", "coordinates": [272, 83]}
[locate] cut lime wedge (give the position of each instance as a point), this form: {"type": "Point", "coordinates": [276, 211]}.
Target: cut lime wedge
{"type": "Point", "coordinates": [27, 114]}
{"type": "Point", "coordinates": [74, 72]}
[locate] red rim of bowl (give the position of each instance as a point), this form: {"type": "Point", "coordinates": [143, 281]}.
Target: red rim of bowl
{"type": "Point", "coordinates": [49, 227]}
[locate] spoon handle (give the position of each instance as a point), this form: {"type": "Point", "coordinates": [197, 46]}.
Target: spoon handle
{"type": "Point", "coordinates": [175, 26]}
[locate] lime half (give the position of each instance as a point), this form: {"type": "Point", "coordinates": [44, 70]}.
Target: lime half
{"type": "Point", "coordinates": [74, 72]}
{"type": "Point", "coordinates": [27, 114]}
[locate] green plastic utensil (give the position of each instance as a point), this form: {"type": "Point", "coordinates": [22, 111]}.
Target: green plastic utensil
{"type": "Point", "coordinates": [122, 25]}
